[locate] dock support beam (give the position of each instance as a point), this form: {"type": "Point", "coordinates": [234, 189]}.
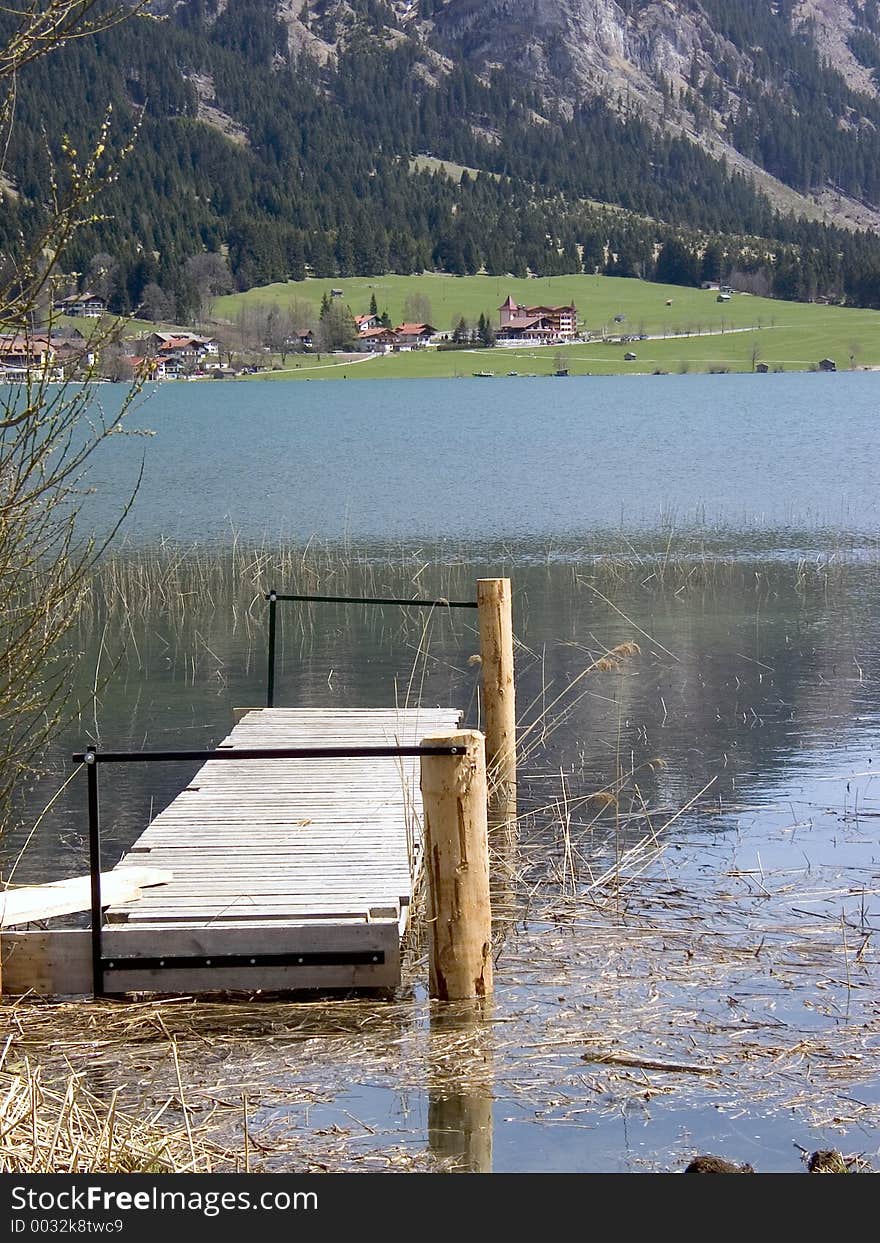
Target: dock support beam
{"type": "Point", "coordinates": [457, 858]}
{"type": "Point", "coordinates": [499, 700]}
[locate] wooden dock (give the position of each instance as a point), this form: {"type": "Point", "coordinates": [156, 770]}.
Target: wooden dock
{"type": "Point", "coordinates": [300, 873]}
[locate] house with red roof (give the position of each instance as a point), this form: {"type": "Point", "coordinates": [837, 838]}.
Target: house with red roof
{"type": "Point", "coordinates": [153, 368]}
{"type": "Point", "coordinates": [376, 340]}
{"type": "Point", "coordinates": [414, 336]}
{"type": "Point", "coordinates": [536, 324]}
{"type": "Point", "coordinates": [184, 351]}
{"type": "Point", "coordinates": [23, 355]}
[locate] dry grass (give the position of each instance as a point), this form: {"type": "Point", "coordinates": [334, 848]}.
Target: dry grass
{"type": "Point", "coordinates": [63, 1128]}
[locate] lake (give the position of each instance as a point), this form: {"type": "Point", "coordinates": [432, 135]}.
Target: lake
{"type": "Point", "coordinates": [546, 458]}
{"type": "Point", "coordinates": [690, 967]}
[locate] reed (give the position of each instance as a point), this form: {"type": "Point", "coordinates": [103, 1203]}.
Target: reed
{"type": "Point", "coordinates": [63, 1128]}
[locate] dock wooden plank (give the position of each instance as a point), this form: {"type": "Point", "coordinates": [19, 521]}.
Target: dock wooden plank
{"type": "Point", "coordinates": [287, 850]}
{"type": "Point", "coordinates": [31, 903]}
{"type": "Point", "coordinates": [60, 961]}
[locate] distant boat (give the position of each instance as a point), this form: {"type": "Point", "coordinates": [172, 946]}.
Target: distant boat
{"type": "Point", "coordinates": [513, 373]}
{"type": "Point", "coordinates": [484, 375]}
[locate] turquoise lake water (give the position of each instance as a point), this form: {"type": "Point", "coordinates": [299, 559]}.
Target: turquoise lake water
{"type": "Point", "coordinates": [544, 459]}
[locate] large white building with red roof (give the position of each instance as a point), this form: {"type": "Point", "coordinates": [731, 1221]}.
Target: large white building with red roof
{"type": "Point", "coordinates": [536, 323]}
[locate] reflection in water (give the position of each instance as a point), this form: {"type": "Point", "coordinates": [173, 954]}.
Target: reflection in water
{"type": "Point", "coordinates": [460, 1130]}
{"type": "Point", "coordinates": [460, 1085]}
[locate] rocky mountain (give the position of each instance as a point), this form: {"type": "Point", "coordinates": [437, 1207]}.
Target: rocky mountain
{"type": "Point", "coordinates": [300, 135]}
{"type": "Point", "coordinates": [707, 69]}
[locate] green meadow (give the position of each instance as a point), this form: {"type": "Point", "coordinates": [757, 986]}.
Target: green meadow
{"type": "Point", "coordinates": [694, 331]}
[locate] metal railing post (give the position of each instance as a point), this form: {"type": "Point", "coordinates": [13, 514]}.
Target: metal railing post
{"type": "Point", "coordinates": [270, 680]}
{"type": "Point", "coordinates": [95, 871]}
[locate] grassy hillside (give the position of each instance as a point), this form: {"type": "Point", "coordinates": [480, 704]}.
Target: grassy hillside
{"type": "Point", "coordinates": [598, 298]}
{"type": "Point", "coordinates": [696, 329]}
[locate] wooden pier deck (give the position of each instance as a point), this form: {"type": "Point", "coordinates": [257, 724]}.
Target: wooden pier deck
{"type": "Point", "coordinates": [311, 860]}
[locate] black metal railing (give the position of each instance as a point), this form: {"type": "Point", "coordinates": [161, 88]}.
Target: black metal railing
{"type": "Point", "coordinates": [274, 597]}
{"type": "Point", "coordinates": [91, 758]}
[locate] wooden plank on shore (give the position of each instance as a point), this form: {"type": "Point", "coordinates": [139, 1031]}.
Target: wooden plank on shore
{"type": "Point", "coordinates": [66, 897]}
{"type": "Point", "coordinates": [47, 964]}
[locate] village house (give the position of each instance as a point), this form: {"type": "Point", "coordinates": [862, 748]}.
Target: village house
{"type": "Point", "coordinates": [151, 368]}
{"type": "Point", "coordinates": [23, 355]}
{"type": "Point", "coordinates": [72, 352]}
{"type": "Point", "coordinates": [413, 336]}
{"type": "Point", "coordinates": [364, 322]}
{"type": "Point", "coordinates": [177, 364]}
{"type": "Point", "coordinates": [184, 351]}
{"type": "Point", "coordinates": [536, 324]}
{"type": "Point", "coordinates": [186, 341]}
{"type": "Point", "coordinates": [83, 305]}
{"type": "Point", "coordinates": [302, 340]}
{"type": "Point", "coordinates": [377, 340]}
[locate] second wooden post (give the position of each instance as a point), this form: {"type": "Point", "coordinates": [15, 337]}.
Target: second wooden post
{"type": "Point", "coordinates": [457, 860]}
{"type": "Point", "coordinates": [499, 699]}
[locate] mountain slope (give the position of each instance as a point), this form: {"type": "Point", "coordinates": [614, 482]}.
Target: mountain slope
{"type": "Point", "coordinates": [779, 89]}
{"type": "Point", "coordinates": [284, 136]}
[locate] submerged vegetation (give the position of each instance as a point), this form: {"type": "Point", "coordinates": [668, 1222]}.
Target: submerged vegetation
{"type": "Point", "coordinates": [66, 1128]}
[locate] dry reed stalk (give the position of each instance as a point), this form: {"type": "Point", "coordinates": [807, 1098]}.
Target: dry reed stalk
{"type": "Point", "coordinates": [66, 1129]}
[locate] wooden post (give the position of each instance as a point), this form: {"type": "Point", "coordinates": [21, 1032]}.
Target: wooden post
{"type": "Point", "coordinates": [499, 700]}
{"type": "Point", "coordinates": [457, 856]}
